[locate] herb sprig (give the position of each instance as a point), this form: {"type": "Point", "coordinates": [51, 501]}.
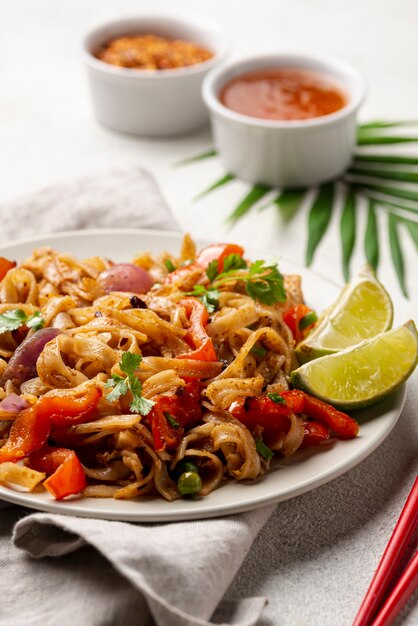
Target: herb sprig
{"type": "Point", "coordinates": [262, 282]}
{"type": "Point", "coordinates": [129, 364]}
{"type": "Point", "coordinates": [365, 181]}
{"type": "Point", "coordinates": [14, 319]}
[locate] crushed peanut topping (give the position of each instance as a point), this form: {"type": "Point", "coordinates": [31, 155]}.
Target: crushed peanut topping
{"type": "Point", "coordinates": [149, 52]}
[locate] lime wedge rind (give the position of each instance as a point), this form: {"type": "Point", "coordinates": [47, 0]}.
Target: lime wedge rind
{"type": "Point", "coordinates": [362, 375]}
{"type": "Point", "coordinates": [363, 310]}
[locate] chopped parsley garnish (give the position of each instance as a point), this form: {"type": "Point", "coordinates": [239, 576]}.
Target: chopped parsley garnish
{"type": "Point", "coordinates": [14, 319]}
{"type": "Point", "coordinates": [171, 420]}
{"type": "Point", "coordinates": [263, 450]}
{"type": "Point", "coordinates": [276, 397]}
{"type": "Point", "coordinates": [129, 363]}
{"type": "Point", "coordinates": [169, 265]}
{"type": "Point", "coordinates": [262, 282]}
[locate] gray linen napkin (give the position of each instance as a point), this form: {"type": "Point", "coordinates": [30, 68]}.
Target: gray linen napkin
{"type": "Point", "coordinates": [182, 570]}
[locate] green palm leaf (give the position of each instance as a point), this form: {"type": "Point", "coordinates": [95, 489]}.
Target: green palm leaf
{"type": "Point", "coordinates": [252, 197]}
{"type": "Point", "coordinates": [407, 177]}
{"type": "Point", "coordinates": [385, 124]}
{"type": "Point", "coordinates": [218, 183]}
{"type": "Point", "coordinates": [348, 231]}
{"type": "Point", "coordinates": [397, 192]}
{"type": "Point", "coordinates": [319, 219]}
{"type": "Point", "coordinates": [393, 205]}
{"type": "Point", "coordinates": [366, 139]}
{"type": "Point", "coordinates": [197, 157]}
{"type": "Point", "coordinates": [371, 237]}
{"type": "Point", "coordinates": [413, 230]}
{"type": "Point", "coordinates": [391, 159]}
{"type": "Point", "coordinates": [288, 202]}
{"type": "Point", "coordinates": [396, 251]}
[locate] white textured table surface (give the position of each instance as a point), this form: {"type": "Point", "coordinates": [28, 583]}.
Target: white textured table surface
{"type": "Point", "coordinates": [48, 134]}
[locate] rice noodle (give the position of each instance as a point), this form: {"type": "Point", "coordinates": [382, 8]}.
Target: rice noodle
{"type": "Point", "coordinates": [116, 446]}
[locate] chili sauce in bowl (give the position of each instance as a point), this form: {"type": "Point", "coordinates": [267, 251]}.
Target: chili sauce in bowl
{"type": "Point", "coordinates": [283, 94]}
{"type": "Point", "coordinates": [284, 120]}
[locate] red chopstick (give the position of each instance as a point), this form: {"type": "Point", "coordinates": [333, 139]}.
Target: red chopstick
{"type": "Point", "coordinates": [392, 556]}
{"type": "Point", "coordinates": [400, 594]}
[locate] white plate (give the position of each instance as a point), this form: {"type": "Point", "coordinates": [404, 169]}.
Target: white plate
{"type": "Point", "coordinates": [290, 477]}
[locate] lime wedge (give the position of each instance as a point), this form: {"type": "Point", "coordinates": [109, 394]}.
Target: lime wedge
{"type": "Point", "coordinates": [364, 374]}
{"type": "Point", "coordinates": [363, 310]}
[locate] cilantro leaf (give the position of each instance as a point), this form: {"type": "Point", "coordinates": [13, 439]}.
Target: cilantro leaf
{"type": "Point", "coordinates": [233, 262]}
{"type": "Point", "coordinates": [141, 405]}
{"type": "Point", "coordinates": [35, 321]}
{"type": "Point", "coordinates": [14, 319]}
{"type": "Point", "coordinates": [262, 282]}
{"type": "Point", "coordinates": [11, 320]}
{"type": "Point", "coordinates": [265, 283]}
{"type": "Point", "coordinates": [212, 270]}
{"type": "Point", "coordinates": [209, 297]}
{"type": "Point", "coordinates": [129, 363]}
{"type": "Point", "coordinates": [211, 300]}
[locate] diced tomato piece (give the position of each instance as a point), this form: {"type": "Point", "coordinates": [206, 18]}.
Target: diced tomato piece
{"type": "Point", "coordinates": [68, 478]}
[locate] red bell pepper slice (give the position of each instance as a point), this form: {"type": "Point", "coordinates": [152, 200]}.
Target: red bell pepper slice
{"type": "Point", "coordinates": [218, 252]}
{"type": "Point", "coordinates": [344, 426]}
{"type": "Point", "coordinates": [66, 474]}
{"type": "Point", "coordinates": [315, 434]}
{"type": "Point", "coordinates": [32, 426]}
{"type": "Point", "coordinates": [261, 411]}
{"type": "Point", "coordinates": [272, 417]}
{"type": "Point", "coordinates": [292, 318]}
{"type": "Point", "coordinates": [197, 336]}
{"type": "Point", "coordinates": [5, 266]}
{"type": "Point", "coordinates": [172, 415]}
{"type": "Point", "coordinates": [69, 410]}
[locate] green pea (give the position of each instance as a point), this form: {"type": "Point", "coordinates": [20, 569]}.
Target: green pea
{"type": "Point", "coordinates": [189, 484]}
{"type": "Point", "coordinates": [185, 466]}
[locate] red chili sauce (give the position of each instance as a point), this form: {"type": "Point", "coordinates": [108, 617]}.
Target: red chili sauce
{"type": "Point", "coordinates": [283, 94]}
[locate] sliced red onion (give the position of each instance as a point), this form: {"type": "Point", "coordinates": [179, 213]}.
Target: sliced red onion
{"type": "Point", "coordinates": [22, 365]}
{"type": "Point", "coordinates": [12, 404]}
{"type": "Point", "coordinates": [125, 277]}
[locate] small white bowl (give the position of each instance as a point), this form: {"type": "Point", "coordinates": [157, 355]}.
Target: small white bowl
{"type": "Point", "coordinates": [294, 153]}
{"type": "Point", "coordinates": [152, 102]}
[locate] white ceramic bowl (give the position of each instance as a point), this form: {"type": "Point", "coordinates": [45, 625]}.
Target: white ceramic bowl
{"type": "Point", "coordinates": [285, 153]}
{"type": "Point", "coordinates": [152, 102]}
